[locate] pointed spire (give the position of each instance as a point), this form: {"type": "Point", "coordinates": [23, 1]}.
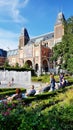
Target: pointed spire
{"type": "Point", "coordinates": [24, 36]}
{"type": "Point", "coordinates": [24, 33]}
{"type": "Point", "coordinates": [60, 18]}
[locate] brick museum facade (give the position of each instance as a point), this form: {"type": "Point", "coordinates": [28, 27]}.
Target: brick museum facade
{"type": "Point", "coordinates": [36, 51]}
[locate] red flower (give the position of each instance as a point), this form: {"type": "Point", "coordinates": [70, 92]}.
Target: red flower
{"type": "Point", "coordinates": [9, 109]}
{"type": "Point", "coordinates": [5, 113]}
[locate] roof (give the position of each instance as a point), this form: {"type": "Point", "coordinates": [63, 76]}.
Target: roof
{"type": "Point", "coordinates": [60, 18]}
{"type": "Point", "coordinates": [12, 52]}
{"type": "Point", "coordinates": [33, 40]}
{"type": "Point", "coordinates": [40, 38]}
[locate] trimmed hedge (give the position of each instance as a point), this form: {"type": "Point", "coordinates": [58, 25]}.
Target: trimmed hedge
{"type": "Point", "coordinates": [7, 92]}
{"type": "Point", "coordinates": [53, 112]}
{"type": "Point", "coordinates": [18, 69]}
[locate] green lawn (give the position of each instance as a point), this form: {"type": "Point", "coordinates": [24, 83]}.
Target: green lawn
{"type": "Point", "coordinates": [47, 111]}
{"type": "Point", "coordinates": [46, 78]}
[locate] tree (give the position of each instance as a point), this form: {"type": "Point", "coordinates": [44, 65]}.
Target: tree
{"type": "Point", "coordinates": [6, 64]}
{"type": "Point", "coordinates": [17, 65]}
{"type": "Point", "coordinates": [64, 49]}
{"type": "Point", "coordinates": [26, 66]}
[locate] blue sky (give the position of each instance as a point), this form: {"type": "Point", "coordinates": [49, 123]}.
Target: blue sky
{"type": "Point", "coordinates": [38, 16]}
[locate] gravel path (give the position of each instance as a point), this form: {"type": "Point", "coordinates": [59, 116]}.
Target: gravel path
{"type": "Point", "coordinates": [38, 85]}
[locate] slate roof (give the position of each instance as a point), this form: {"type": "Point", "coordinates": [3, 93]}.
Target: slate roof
{"type": "Point", "coordinates": [40, 38]}
{"type": "Point", "coordinates": [33, 40]}
{"type": "Point", "coordinates": [12, 52]}
{"type": "Point", "coordinates": [60, 18]}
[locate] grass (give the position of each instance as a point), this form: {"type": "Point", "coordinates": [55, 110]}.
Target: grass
{"type": "Point", "coordinates": [46, 111]}
{"type": "Point", "coordinates": [46, 78]}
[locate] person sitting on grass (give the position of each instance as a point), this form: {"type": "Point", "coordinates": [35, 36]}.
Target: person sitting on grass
{"type": "Point", "coordinates": [17, 95]}
{"type": "Point", "coordinates": [31, 92]}
{"type": "Point", "coordinates": [52, 82]}
{"type": "Point", "coordinates": [63, 83]}
{"type": "Point", "coordinates": [62, 80]}
{"type": "Point", "coordinates": [45, 89]}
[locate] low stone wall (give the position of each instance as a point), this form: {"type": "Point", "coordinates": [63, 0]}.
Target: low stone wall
{"type": "Point", "coordinates": [17, 77]}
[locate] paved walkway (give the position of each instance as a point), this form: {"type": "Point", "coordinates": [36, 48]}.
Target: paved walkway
{"type": "Point", "coordinates": [38, 85]}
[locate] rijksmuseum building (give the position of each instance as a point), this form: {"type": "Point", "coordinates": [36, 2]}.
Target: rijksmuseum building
{"type": "Point", "coordinates": [36, 51]}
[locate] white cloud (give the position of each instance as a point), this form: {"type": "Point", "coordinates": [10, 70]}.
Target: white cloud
{"type": "Point", "coordinates": [8, 39]}
{"type": "Point", "coordinates": [24, 3]}
{"type": "Point", "coordinates": [7, 34]}
{"type": "Point", "coordinates": [11, 10]}
{"type": "Point", "coordinates": [5, 44]}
